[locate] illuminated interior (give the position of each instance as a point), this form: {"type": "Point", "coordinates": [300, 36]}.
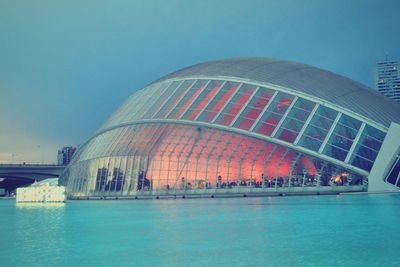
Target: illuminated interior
{"type": "Point", "coordinates": [173, 157]}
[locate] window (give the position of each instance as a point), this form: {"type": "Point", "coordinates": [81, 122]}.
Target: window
{"type": "Point", "coordinates": [235, 105]}
{"type": "Point", "coordinates": [218, 102]}
{"type": "Point", "coordinates": [295, 120]}
{"type": "Point", "coordinates": [254, 108]}
{"type": "Point", "coordinates": [202, 100]}
{"type": "Point", "coordinates": [342, 137]}
{"type": "Point", "coordinates": [271, 117]}
{"type": "Point", "coordinates": [394, 173]}
{"type": "Point", "coordinates": [367, 148]}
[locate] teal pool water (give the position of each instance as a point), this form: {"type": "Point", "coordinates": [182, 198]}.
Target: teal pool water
{"type": "Point", "coordinates": [351, 230]}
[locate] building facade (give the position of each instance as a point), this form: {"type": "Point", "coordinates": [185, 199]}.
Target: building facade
{"type": "Point", "coordinates": [65, 155]}
{"type": "Point", "coordinates": [387, 79]}
{"type": "Point", "coordinates": [240, 127]}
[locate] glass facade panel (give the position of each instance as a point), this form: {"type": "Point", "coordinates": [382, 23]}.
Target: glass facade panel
{"type": "Point", "coordinates": [202, 100]}
{"type": "Point", "coordinates": [394, 173]}
{"type": "Point", "coordinates": [362, 162]}
{"type": "Point", "coordinates": [128, 176]}
{"type": "Point", "coordinates": [342, 137]}
{"type": "Point", "coordinates": [134, 107]}
{"type": "Point", "coordinates": [174, 99]}
{"type": "Point", "coordinates": [316, 131]}
{"type": "Point", "coordinates": [218, 102]}
{"type": "Point", "coordinates": [367, 148]}
{"type": "Point", "coordinates": [253, 109]}
{"type": "Point", "coordinates": [163, 92]}
{"type": "Point", "coordinates": [271, 117]}
{"type": "Point", "coordinates": [295, 120]}
{"type": "Point", "coordinates": [192, 94]}
{"type": "Point", "coordinates": [141, 104]}
{"type": "Point", "coordinates": [235, 105]}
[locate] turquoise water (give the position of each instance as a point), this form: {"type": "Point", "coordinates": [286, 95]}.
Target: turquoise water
{"type": "Point", "coordinates": [280, 231]}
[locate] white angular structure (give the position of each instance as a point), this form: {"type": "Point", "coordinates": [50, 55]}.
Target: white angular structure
{"type": "Point", "coordinates": [241, 126]}
{"type": "Point", "coordinates": [42, 192]}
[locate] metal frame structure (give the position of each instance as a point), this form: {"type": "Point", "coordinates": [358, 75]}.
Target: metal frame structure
{"type": "Point", "coordinates": [144, 138]}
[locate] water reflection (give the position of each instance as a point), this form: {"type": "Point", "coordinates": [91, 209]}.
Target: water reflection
{"type": "Point", "coordinates": [39, 231]}
{"type": "Point", "coordinates": [22, 205]}
{"type": "Point", "coordinates": [203, 232]}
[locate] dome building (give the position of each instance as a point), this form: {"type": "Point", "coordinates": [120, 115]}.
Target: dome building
{"type": "Point", "coordinates": [248, 126]}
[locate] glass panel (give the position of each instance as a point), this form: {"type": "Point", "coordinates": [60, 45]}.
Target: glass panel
{"type": "Point", "coordinates": [316, 131]}
{"type": "Point", "coordinates": [204, 98]}
{"type": "Point", "coordinates": [173, 99]}
{"type": "Point", "coordinates": [273, 114]}
{"type": "Point", "coordinates": [164, 90]}
{"type": "Point", "coordinates": [367, 148]}
{"type": "Point", "coordinates": [128, 176]}
{"type": "Point", "coordinates": [122, 141]}
{"type": "Point", "coordinates": [112, 141]}
{"type": "Point", "coordinates": [110, 168]}
{"type": "Point", "coordinates": [218, 102]}
{"type": "Point", "coordinates": [132, 108]}
{"type": "Point", "coordinates": [394, 172]}
{"type": "Point", "coordinates": [295, 120]}
{"type": "Point", "coordinates": [140, 104]}
{"type": "Point", "coordinates": [335, 151]}
{"type": "Point", "coordinates": [102, 174]}
{"type": "Point", "coordinates": [253, 109]}
{"type": "Point", "coordinates": [342, 137]}
{"type": "Point", "coordinates": [372, 137]}
{"type": "Point", "coordinates": [118, 176]}
{"type": "Point", "coordinates": [92, 176]}
{"type": "Point", "coordinates": [235, 105]}
{"type": "Point", "coordinates": [187, 100]}
{"type": "Point", "coordinates": [362, 163]}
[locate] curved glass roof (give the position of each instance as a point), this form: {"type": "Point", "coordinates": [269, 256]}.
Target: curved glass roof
{"type": "Point", "coordinates": [306, 79]}
{"type": "Point", "coordinates": [257, 111]}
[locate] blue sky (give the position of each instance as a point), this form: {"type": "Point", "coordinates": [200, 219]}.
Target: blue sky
{"type": "Point", "coordinates": [65, 66]}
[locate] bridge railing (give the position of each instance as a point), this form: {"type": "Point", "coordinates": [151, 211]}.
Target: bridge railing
{"type": "Point", "coordinates": [30, 165]}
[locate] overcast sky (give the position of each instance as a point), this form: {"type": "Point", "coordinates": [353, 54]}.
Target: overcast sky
{"type": "Point", "coordinates": [65, 66]}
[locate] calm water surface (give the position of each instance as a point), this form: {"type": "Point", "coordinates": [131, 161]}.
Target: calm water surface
{"type": "Point", "coordinates": [282, 231]}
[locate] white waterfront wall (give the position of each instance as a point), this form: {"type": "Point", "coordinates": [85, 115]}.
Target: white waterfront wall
{"type": "Point", "coordinates": [42, 193]}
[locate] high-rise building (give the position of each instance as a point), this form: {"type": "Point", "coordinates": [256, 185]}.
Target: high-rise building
{"type": "Point", "coordinates": [65, 155]}
{"type": "Point", "coordinates": [387, 79]}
